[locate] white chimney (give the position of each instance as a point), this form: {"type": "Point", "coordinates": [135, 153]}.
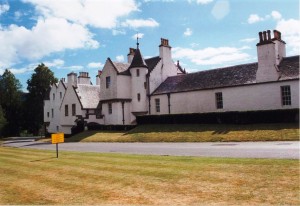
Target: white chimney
{"type": "Point", "coordinates": [269, 54]}
{"type": "Point", "coordinates": [130, 55]}
{"type": "Point", "coordinates": [72, 79]}
{"type": "Point", "coordinates": [98, 77]}
{"type": "Point", "coordinates": [84, 78]}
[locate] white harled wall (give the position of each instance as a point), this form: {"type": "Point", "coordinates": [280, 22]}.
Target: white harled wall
{"type": "Point", "coordinates": [265, 96]}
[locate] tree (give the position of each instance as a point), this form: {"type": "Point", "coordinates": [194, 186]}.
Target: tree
{"type": "Point", "coordinates": [38, 87]}
{"type": "Point", "coordinates": [10, 101]}
{"type": "Point", "coordinates": [2, 120]}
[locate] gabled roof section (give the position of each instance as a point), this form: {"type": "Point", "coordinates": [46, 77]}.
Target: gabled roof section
{"type": "Point", "coordinates": [225, 77]}
{"type": "Point", "coordinates": [118, 66]}
{"type": "Point", "coordinates": [138, 60]}
{"type": "Point", "coordinates": [89, 95]}
{"type": "Point", "coordinates": [209, 79]}
{"type": "Point", "coordinates": [152, 62]}
{"type": "Point", "coordinates": [289, 68]}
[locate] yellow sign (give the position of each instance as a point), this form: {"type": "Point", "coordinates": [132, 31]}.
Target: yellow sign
{"type": "Point", "coordinates": [57, 138]}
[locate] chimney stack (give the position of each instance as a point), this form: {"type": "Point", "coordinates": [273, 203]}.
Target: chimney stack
{"type": "Point", "coordinates": [98, 77]}
{"type": "Point", "coordinates": [130, 55]}
{"type": "Point", "coordinates": [72, 79]}
{"type": "Point", "coordinates": [165, 51]}
{"type": "Point", "coordinates": [84, 78]}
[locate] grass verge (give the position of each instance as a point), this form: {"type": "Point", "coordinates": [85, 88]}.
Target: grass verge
{"type": "Point", "coordinates": [37, 177]}
{"type": "Point", "coordinates": [194, 133]}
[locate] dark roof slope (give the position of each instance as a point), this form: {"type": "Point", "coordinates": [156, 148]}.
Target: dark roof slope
{"type": "Point", "coordinates": [152, 62]}
{"type": "Point", "coordinates": [289, 68]}
{"type": "Point", "coordinates": [138, 60]}
{"type": "Point", "coordinates": [225, 77]}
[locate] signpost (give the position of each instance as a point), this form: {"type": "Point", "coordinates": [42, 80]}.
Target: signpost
{"type": "Point", "coordinates": [57, 138]}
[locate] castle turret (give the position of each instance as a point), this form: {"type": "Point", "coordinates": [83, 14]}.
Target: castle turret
{"type": "Point", "coordinates": [138, 70]}
{"type": "Point", "coordinates": [270, 52]}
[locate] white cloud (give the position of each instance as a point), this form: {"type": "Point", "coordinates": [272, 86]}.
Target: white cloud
{"type": "Point", "coordinates": [137, 23]}
{"type": "Point", "coordinates": [3, 8]}
{"type": "Point", "coordinates": [188, 32]}
{"type": "Point", "coordinates": [99, 14]}
{"type": "Point", "coordinates": [95, 65]}
{"type": "Point", "coordinates": [212, 56]}
{"type": "Point", "coordinates": [120, 58]}
{"type": "Point", "coordinates": [140, 35]}
{"type": "Point", "coordinates": [290, 34]}
{"type": "Point", "coordinates": [116, 32]}
{"type": "Point", "coordinates": [55, 63]}
{"type": "Point", "coordinates": [201, 1]}
{"type": "Point", "coordinates": [74, 67]}
{"type": "Point", "coordinates": [47, 36]}
{"type": "Point", "coordinates": [221, 9]}
{"type": "Point", "coordinates": [17, 15]}
{"type": "Point", "coordinates": [276, 15]}
{"type": "Point", "coordinates": [248, 40]}
{"type": "Point", "coordinates": [253, 18]}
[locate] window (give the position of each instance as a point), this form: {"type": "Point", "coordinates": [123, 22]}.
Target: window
{"type": "Point", "coordinates": [139, 97]}
{"type": "Point", "coordinates": [219, 100]}
{"type": "Point", "coordinates": [157, 105]}
{"type": "Point", "coordinates": [109, 108]}
{"type": "Point", "coordinates": [48, 114]}
{"type": "Point", "coordinates": [52, 113]}
{"type": "Point", "coordinates": [145, 85]}
{"type": "Point", "coordinates": [137, 72]}
{"type": "Point", "coordinates": [286, 95]}
{"type": "Point", "coordinates": [73, 109]}
{"type": "Point", "coordinates": [107, 82]}
{"type": "Point", "coordinates": [53, 96]}
{"type": "Point", "coordinates": [66, 110]}
{"type": "Point", "coordinates": [60, 95]}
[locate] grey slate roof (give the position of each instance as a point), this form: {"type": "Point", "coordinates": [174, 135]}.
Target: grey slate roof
{"type": "Point", "coordinates": [138, 60]}
{"type": "Point", "coordinates": [88, 95]}
{"type": "Point", "coordinates": [225, 77]}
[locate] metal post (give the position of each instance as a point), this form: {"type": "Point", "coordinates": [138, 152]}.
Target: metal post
{"type": "Point", "coordinates": [56, 150]}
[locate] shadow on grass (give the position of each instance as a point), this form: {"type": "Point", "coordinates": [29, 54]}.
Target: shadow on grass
{"type": "Point", "coordinates": [44, 159]}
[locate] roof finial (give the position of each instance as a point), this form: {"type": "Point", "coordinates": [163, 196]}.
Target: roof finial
{"type": "Point", "coordinates": [137, 40]}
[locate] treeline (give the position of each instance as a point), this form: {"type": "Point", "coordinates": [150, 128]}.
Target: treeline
{"type": "Point", "coordinates": [22, 112]}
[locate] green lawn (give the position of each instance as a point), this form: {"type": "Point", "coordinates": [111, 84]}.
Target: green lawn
{"type": "Point", "coordinates": [194, 133]}
{"type": "Point", "coordinates": [37, 177]}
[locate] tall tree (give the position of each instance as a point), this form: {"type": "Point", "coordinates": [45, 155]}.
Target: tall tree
{"type": "Point", "coordinates": [2, 120]}
{"type": "Point", "coordinates": [10, 101]}
{"type": "Point", "coordinates": [38, 86]}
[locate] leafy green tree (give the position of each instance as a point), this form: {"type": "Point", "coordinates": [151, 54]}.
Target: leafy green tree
{"type": "Point", "coordinates": [10, 101]}
{"type": "Point", "coordinates": [38, 86]}
{"type": "Point", "coordinates": [2, 121]}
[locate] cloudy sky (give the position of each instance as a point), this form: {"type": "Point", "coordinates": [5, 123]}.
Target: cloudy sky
{"type": "Point", "coordinates": [79, 35]}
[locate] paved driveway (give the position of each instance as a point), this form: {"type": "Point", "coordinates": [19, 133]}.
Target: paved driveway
{"type": "Point", "coordinates": [281, 150]}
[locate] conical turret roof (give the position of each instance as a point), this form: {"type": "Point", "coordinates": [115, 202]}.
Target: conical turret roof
{"type": "Point", "coordinates": [138, 60]}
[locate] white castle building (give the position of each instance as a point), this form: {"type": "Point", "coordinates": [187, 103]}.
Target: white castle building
{"type": "Point", "coordinates": [158, 86]}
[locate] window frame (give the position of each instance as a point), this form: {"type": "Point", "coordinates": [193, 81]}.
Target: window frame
{"type": "Point", "coordinates": [73, 109]}
{"type": "Point", "coordinates": [66, 110]}
{"type": "Point", "coordinates": [286, 97]}
{"type": "Point", "coordinates": [219, 100]}
{"type": "Point", "coordinates": [157, 105]}
{"type": "Point", "coordinates": [107, 82]}
{"type": "Point", "coordinates": [109, 108]}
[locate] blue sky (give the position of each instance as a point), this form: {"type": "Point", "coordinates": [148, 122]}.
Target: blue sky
{"type": "Point", "coordinates": [79, 35]}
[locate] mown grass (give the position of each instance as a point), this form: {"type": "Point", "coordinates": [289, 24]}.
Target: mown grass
{"type": "Point", "coordinates": [37, 177]}
{"type": "Point", "coordinates": [194, 133]}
